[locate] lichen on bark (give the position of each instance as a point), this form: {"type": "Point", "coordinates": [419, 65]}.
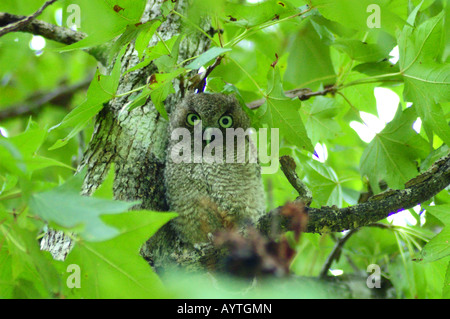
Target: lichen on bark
{"type": "Point", "coordinates": [135, 141]}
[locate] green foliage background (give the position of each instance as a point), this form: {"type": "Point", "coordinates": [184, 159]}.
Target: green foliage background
{"type": "Point", "coordinates": [325, 43]}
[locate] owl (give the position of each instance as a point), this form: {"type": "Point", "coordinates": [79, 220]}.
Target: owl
{"type": "Point", "coordinates": [211, 188]}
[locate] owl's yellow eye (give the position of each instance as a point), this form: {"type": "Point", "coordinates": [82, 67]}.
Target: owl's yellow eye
{"type": "Point", "coordinates": [226, 121]}
{"type": "Point", "coordinates": [193, 119]}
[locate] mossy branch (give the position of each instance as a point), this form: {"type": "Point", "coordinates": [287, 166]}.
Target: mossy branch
{"type": "Point", "coordinates": [334, 219]}
{"type": "Point", "coordinates": [50, 32]}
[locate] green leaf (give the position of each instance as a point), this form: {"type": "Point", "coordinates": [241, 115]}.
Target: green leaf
{"type": "Point", "coordinates": [105, 190]}
{"type": "Point", "coordinates": [159, 95]}
{"type": "Point", "coordinates": [281, 112]}
{"type": "Point", "coordinates": [97, 38]}
{"type": "Point", "coordinates": [167, 63]}
{"type": "Point", "coordinates": [254, 14]}
{"type": "Point", "coordinates": [161, 87]}
{"type": "Point", "coordinates": [115, 17]}
{"type": "Point", "coordinates": [207, 56]}
{"type": "Point", "coordinates": [39, 162]}
{"type": "Point", "coordinates": [433, 157]}
{"type": "Point", "coordinates": [158, 90]}
{"type": "Point", "coordinates": [131, 33]}
{"type": "Point", "coordinates": [167, 7]}
{"type": "Point", "coordinates": [309, 61]}
{"type": "Point", "coordinates": [7, 182]}
{"type": "Point", "coordinates": [320, 123]}
{"type": "Point", "coordinates": [392, 153]}
{"type": "Point", "coordinates": [12, 159]}
{"type": "Point", "coordinates": [361, 97]}
{"type": "Point", "coordinates": [412, 16]}
{"type": "Point", "coordinates": [324, 184]}
{"type": "Point", "coordinates": [361, 51]}
{"type": "Point", "coordinates": [162, 48]}
{"type": "Point", "coordinates": [19, 153]}
{"type": "Point", "coordinates": [446, 287]}
{"type": "Point", "coordinates": [438, 247]}
{"type": "Point", "coordinates": [144, 37]}
{"type": "Point", "coordinates": [36, 277]}
{"type": "Point", "coordinates": [101, 90]}
{"type": "Point", "coordinates": [441, 212]}
{"type": "Point", "coordinates": [355, 14]}
{"type": "Point", "coordinates": [65, 207]}
{"type": "Point", "coordinates": [379, 68]}
{"type": "Point", "coordinates": [427, 82]}
{"type": "Point", "coordinates": [417, 280]}
{"type": "Point", "coordinates": [139, 99]}
{"type": "Point", "coordinates": [30, 140]}
{"type": "Point", "coordinates": [131, 9]}
{"type": "Point", "coordinates": [434, 120]}
{"type": "Point", "coordinates": [114, 268]}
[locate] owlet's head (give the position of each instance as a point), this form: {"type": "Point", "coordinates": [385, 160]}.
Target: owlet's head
{"type": "Point", "coordinates": [217, 111]}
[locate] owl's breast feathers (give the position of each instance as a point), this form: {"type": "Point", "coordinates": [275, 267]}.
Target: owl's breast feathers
{"type": "Point", "coordinates": [212, 197]}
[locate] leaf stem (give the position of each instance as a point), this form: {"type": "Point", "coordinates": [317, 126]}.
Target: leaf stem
{"type": "Point", "coordinates": [163, 42]}
{"type": "Point", "coordinates": [249, 31]}
{"type": "Point", "coordinates": [248, 75]}
{"type": "Point", "coordinates": [187, 60]}
{"type": "Point", "coordinates": [196, 27]}
{"type": "Point", "coordinates": [12, 239]}
{"type": "Point", "coordinates": [11, 195]}
{"type": "Point", "coordinates": [370, 79]}
{"type": "Point", "coordinates": [132, 91]}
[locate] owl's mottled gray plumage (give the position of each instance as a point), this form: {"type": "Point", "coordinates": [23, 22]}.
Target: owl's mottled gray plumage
{"type": "Point", "coordinates": [208, 197]}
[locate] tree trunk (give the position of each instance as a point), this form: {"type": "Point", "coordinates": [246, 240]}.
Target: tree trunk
{"type": "Point", "coordinates": [134, 141]}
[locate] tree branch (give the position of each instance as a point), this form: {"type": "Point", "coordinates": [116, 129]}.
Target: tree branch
{"type": "Point", "coordinates": [288, 167]}
{"type": "Point", "coordinates": [333, 219]}
{"type": "Point", "coordinates": [60, 95]}
{"type": "Point", "coordinates": [301, 94]}
{"type": "Point", "coordinates": [25, 20]}
{"type": "Point", "coordinates": [47, 30]}
{"type": "Point", "coordinates": [52, 32]}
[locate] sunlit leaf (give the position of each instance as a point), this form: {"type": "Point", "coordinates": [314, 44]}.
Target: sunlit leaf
{"type": "Point", "coordinates": [391, 154]}
{"type": "Point", "coordinates": [281, 112]}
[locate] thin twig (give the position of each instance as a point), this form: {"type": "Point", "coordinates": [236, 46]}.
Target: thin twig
{"type": "Point", "coordinates": [23, 22]}
{"type": "Point", "coordinates": [337, 249]}
{"type": "Point", "coordinates": [202, 84]}
{"type": "Point", "coordinates": [302, 94]}
{"type": "Point", "coordinates": [61, 93]}
{"type": "Point", "coordinates": [288, 167]}
{"type": "Point", "coordinates": [336, 252]}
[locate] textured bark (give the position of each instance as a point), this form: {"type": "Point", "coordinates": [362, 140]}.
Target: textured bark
{"type": "Point", "coordinates": [52, 32]}
{"type": "Point", "coordinates": [25, 21]}
{"type": "Point", "coordinates": [134, 141]}
{"type": "Point", "coordinates": [38, 27]}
